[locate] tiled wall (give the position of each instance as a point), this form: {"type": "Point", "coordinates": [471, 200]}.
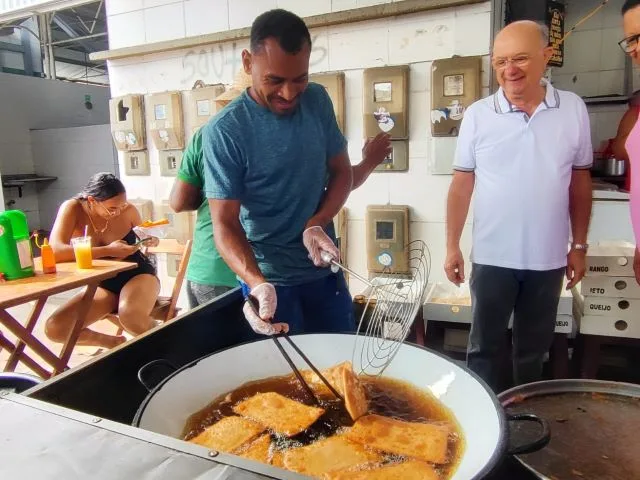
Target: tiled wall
{"type": "Point", "coordinates": [594, 63]}
{"type": "Point", "coordinates": [411, 39]}
{"type": "Point", "coordinates": [73, 155]}
{"type": "Point", "coordinates": [28, 103]}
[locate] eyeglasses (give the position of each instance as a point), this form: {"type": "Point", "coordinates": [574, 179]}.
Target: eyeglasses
{"type": "Point", "coordinates": [629, 44]}
{"type": "Point", "coordinates": [519, 61]}
{"type": "Point", "coordinates": [114, 211]}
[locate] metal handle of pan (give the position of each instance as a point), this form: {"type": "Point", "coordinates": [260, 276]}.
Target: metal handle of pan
{"type": "Point", "coordinates": [537, 444]}
{"type": "Point", "coordinates": [146, 368]}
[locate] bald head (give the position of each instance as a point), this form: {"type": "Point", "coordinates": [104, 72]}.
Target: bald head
{"type": "Point", "coordinates": [520, 55]}
{"type": "Point", "coordinates": [524, 29]}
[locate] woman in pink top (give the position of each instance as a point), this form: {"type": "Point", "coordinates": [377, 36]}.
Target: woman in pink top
{"type": "Point", "coordinates": [631, 46]}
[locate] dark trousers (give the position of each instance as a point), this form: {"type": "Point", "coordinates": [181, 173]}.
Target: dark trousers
{"type": "Point", "coordinates": [532, 297]}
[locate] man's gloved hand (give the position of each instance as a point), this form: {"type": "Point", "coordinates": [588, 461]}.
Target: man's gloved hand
{"type": "Point", "coordinates": [317, 242]}
{"type": "Point", "coordinates": [260, 320]}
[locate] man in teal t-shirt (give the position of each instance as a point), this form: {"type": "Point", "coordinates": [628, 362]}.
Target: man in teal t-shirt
{"type": "Point", "coordinates": [276, 174]}
{"type": "Point", "coordinates": [208, 276]}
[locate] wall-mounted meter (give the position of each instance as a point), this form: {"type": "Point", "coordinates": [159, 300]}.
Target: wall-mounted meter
{"type": "Point", "coordinates": [340, 228]}
{"type": "Point", "coordinates": [397, 160]}
{"type": "Point", "coordinates": [200, 105]}
{"type": "Point", "coordinates": [334, 83]}
{"type": "Point", "coordinates": [164, 116]}
{"type": "Point", "coordinates": [127, 122]}
{"type": "Point", "coordinates": [137, 163]}
{"type": "Point", "coordinates": [180, 224]}
{"type": "Point", "coordinates": [173, 264]}
{"type": "Point", "coordinates": [144, 206]}
{"type": "Point", "coordinates": [170, 161]}
{"type": "Point", "coordinates": [387, 238]}
{"type": "Point", "coordinates": [455, 84]}
{"type": "Point", "coordinates": [385, 101]}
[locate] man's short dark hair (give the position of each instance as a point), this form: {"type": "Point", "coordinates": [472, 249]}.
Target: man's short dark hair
{"type": "Point", "coordinates": [629, 4]}
{"type": "Point", "coordinates": [287, 28]}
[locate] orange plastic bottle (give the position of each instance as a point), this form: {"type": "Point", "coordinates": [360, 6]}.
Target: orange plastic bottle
{"type": "Point", "coordinates": [48, 258]}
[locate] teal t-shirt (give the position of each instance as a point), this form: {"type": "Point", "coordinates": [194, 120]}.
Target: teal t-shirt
{"type": "Point", "coordinates": [277, 167]}
{"type": "Point", "coordinates": [206, 266]}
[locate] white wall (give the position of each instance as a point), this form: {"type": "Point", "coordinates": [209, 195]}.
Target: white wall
{"type": "Point", "coordinates": [73, 155]}
{"type": "Point", "coordinates": [411, 39]}
{"type": "Point", "coordinates": [28, 103]}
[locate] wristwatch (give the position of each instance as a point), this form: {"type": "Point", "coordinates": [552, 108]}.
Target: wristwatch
{"type": "Point", "coordinates": [580, 246]}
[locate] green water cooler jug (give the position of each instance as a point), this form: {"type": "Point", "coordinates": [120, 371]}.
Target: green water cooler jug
{"type": "Point", "coordinates": [16, 258]}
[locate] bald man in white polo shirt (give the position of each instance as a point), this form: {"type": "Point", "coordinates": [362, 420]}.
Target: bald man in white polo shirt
{"type": "Point", "coordinates": [526, 153]}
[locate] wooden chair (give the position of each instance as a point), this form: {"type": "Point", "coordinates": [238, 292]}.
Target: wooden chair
{"type": "Point", "coordinates": [165, 308]}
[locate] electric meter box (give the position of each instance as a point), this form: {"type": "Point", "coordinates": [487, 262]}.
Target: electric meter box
{"type": "Point", "coordinates": [173, 264]}
{"type": "Point", "coordinates": [455, 85]}
{"type": "Point", "coordinates": [164, 116]}
{"type": "Point", "coordinates": [397, 160]}
{"type": "Point", "coordinates": [127, 122]}
{"type": "Point", "coordinates": [170, 161]}
{"type": "Point", "coordinates": [200, 105]}
{"type": "Point", "coordinates": [137, 163]}
{"type": "Point", "coordinates": [385, 106]}
{"type": "Point", "coordinates": [333, 82]}
{"type": "Point", "coordinates": [144, 206]}
{"type": "Point", "coordinates": [387, 231]}
{"type": "Point", "coordinates": [180, 224]}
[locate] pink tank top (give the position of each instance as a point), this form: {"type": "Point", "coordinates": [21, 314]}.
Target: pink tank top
{"type": "Point", "coordinates": [632, 146]}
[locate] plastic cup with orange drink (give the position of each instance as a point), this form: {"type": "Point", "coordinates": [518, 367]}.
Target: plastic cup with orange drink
{"type": "Point", "coordinates": [82, 251]}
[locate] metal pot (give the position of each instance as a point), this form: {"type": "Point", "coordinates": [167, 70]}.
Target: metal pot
{"type": "Point", "coordinates": [615, 167]}
{"type": "Point", "coordinates": [482, 420]}
{"type": "Point", "coordinates": [595, 427]}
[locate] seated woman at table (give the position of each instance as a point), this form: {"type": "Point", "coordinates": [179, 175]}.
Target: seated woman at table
{"type": "Point", "coordinates": [102, 208]}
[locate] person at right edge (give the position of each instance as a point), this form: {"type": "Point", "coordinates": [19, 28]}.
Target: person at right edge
{"type": "Point", "coordinates": [526, 153]}
{"type": "Point", "coordinates": [631, 45]}
{"type": "Point", "coordinates": [277, 172]}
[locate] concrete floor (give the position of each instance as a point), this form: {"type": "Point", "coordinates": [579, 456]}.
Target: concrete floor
{"type": "Point", "coordinates": [79, 355]}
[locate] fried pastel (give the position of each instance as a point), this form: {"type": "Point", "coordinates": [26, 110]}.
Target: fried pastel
{"type": "Point", "coordinates": [328, 455]}
{"type": "Point", "coordinates": [257, 450]}
{"type": "Point", "coordinates": [411, 470]}
{"type": "Point", "coordinates": [422, 441]}
{"type": "Point", "coordinates": [228, 434]}
{"type": "Point", "coordinates": [279, 413]}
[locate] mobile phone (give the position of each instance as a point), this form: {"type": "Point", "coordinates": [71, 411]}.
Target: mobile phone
{"type": "Point", "coordinates": [140, 242]}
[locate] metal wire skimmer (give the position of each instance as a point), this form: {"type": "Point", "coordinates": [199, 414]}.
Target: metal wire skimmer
{"type": "Point", "coordinates": [393, 302]}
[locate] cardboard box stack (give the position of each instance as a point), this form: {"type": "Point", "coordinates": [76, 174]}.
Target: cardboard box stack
{"type": "Point", "coordinates": [612, 295]}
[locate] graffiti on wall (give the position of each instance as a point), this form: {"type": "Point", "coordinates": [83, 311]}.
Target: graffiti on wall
{"type": "Point", "coordinates": [219, 63]}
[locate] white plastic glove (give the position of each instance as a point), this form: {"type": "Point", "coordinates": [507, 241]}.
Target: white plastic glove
{"type": "Point", "coordinates": [317, 242]}
{"type": "Point", "coordinates": [265, 294]}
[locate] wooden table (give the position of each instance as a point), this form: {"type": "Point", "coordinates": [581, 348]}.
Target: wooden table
{"type": "Point", "coordinates": [40, 288]}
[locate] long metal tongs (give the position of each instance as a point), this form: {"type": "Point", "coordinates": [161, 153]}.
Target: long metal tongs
{"type": "Point", "coordinates": [253, 303]}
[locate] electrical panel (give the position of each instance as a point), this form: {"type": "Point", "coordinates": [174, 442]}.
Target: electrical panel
{"type": "Point", "coordinates": [387, 235]}
{"type": "Point", "coordinates": [164, 116]}
{"type": "Point", "coordinates": [127, 122]}
{"type": "Point", "coordinates": [180, 224]}
{"type": "Point", "coordinates": [333, 82]}
{"type": "Point", "coordinates": [200, 105]}
{"type": "Point", "coordinates": [173, 264]}
{"type": "Point", "coordinates": [144, 206]}
{"type": "Point", "coordinates": [397, 160]}
{"type": "Point", "coordinates": [443, 153]}
{"type": "Point", "coordinates": [455, 85]}
{"type": "Point", "coordinates": [170, 162]}
{"type": "Point", "coordinates": [385, 106]}
{"type": "Point", "coordinates": [341, 230]}
{"type": "Point", "coordinates": [137, 163]}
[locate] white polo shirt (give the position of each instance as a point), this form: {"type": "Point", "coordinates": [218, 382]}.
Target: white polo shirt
{"type": "Point", "coordinates": [523, 169]}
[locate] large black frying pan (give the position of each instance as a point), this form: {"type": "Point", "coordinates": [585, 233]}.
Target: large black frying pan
{"type": "Point", "coordinates": [595, 428]}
